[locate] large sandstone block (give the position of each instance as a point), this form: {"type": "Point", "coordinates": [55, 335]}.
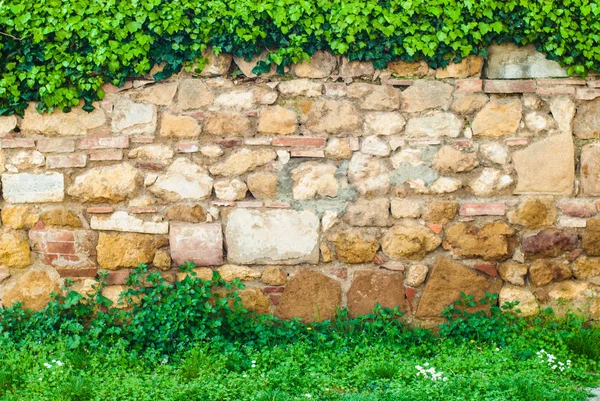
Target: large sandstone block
{"type": "Point", "coordinates": [14, 250]}
{"type": "Point", "coordinates": [33, 289]}
{"type": "Point", "coordinates": [590, 169]}
{"type": "Point", "coordinates": [333, 117]}
{"type": "Point", "coordinates": [499, 117]}
{"type": "Point", "coordinates": [425, 95]}
{"type": "Point", "coordinates": [33, 188]}
{"type": "Point", "coordinates": [493, 241]}
{"type": "Point", "coordinates": [242, 161]}
{"type": "Point", "coordinates": [549, 243]}
{"type": "Point", "coordinates": [272, 237]}
{"type": "Point", "coordinates": [277, 120]}
{"type": "Point", "coordinates": [201, 244]}
{"type": "Point", "coordinates": [132, 118]}
{"type": "Point", "coordinates": [75, 123]}
{"type": "Point", "coordinates": [375, 97]}
{"type": "Point", "coordinates": [122, 221]}
{"type": "Point", "coordinates": [314, 180]}
{"type": "Point", "coordinates": [371, 288]}
{"type": "Point", "coordinates": [194, 94]}
{"type": "Point", "coordinates": [106, 184]}
{"type": "Point", "coordinates": [539, 173]}
{"type": "Point", "coordinates": [310, 296]}
{"type": "Point", "coordinates": [355, 247]}
{"type": "Point", "coordinates": [447, 281]}
{"type": "Point", "coordinates": [434, 125]}
{"type": "Point", "coordinates": [409, 240]}
{"type": "Point", "coordinates": [508, 61]}
{"type": "Point", "coordinates": [117, 251]}
{"type": "Point", "coordinates": [183, 180]}
{"type": "Point", "coordinates": [370, 175]}
{"type": "Point", "coordinates": [528, 305]}
{"type": "Point", "coordinates": [587, 120]}
{"type": "Point", "coordinates": [320, 65]}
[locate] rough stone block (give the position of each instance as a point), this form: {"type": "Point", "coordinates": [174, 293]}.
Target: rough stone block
{"type": "Point", "coordinates": [33, 188]}
{"type": "Point", "coordinates": [201, 244]}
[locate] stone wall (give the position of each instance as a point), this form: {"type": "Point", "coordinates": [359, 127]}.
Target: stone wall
{"type": "Point", "coordinates": [333, 185]}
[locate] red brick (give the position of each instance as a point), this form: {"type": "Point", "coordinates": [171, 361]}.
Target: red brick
{"type": "Point", "coordinates": [201, 244]}
{"type": "Point", "coordinates": [487, 268]}
{"type": "Point", "coordinates": [463, 144]}
{"type": "Point", "coordinates": [275, 299]}
{"type": "Point", "coordinates": [56, 145]}
{"type": "Point", "coordinates": [577, 209]}
{"type": "Point", "coordinates": [561, 81]}
{"type": "Point", "coordinates": [67, 248]}
{"type": "Point", "coordinates": [100, 210]}
{"type": "Point", "coordinates": [59, 258]}
{"type": "Point", "coordinates": [556, 90]}
{"type": "Point", "coordinates": [66, 161]}
{"type": "Point", "coordinates": [187, 147]}
{"type": "Point", "coordinates": [587, 93]}
{"type": "Point", "coordinates": [379, 259]}
{"type": "Point", "coordinates": [483, 209]}
{"type": "Point", "coordinates": [106, 155]}
{"type": "Point", "coordinates": [397, 82]}
{"type": "Point", "coordinates": [142, 139]}
{"type": "Point", "coordinates": [223, 203]}
{"type": "Point", "coordinates": [394, 267]}
{"type": "Point", "coordinates": [150, 166]}
{"type": "Point", "coordinates": [509, 86]}
{"type": "Point", "coordinates": [313, 142]}
{"type": "Point", "coordinates": [271, 290]}
{"type": "Point", "coordinates": [277, 205]}
{"type": "Point", "coordinates": [410, 296]}
{"type": "Point", "coordinates": [228, 142]}
{"type": "Point", "coordinates": [261, 141]}
{"type": "Point", "coordinates": [118, 277]}
{"type": "Point", "coordinates": [250, 204]}
{"type": "Point", "coordinates": [469, 85]}
{"type": "Point", "coordinates": [143, 209]}
{"type": "Point", "coordinates": [307, 153]}
{"type": "Point", "coordinates": [18, 143]}
{"type": "Point", "coordinates": [77, 272]}
{"type": "Point", "coordinates": [436, 228]}
{"type": "Point", "coordinates": [198, 115]}
{"type": "Point", "coordinates": [424, 142]}
{"type": "Point", "coordinates": [106, 142]}
{"type": "Point", "coordinates": [516, 141]}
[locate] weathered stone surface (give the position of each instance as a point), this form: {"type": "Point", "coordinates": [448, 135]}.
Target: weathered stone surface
{"type": "Point", "coordinates": [254, 300]}
{"type": "Point", "coordinates": [245, 99]}
{"type": "Point", "coordinates": [263, 185]}
{"type": "Point", "coordinates": [425, 95]}
{"type": "Point", "coordinates": [75, 123]}
{"type": "Point", "coordinates": [468, 67]}
{"type": "Point", "coordinates": [375, 97]}
{"type": "Point", "coordinates": [201, 244]}
{"type": "Point", "coordinates": [371, 288]}
{"type": "Point", "coordinates": [310, 296]}
{"type": "Point", "coordinates": [406, 69]}
{"type": "Point", "coordinates": [272, 237]}
{"type": "Point", "coordinates": [19, 217]}
{"type": "Point", "coordinates": [277, 120]}
{"type": "Point", "coordinates": [183, 180]}
{"type": "Point", "coordinates": [573, 296]}
{"type": "Point", "coordinates": [544, 272]}
{"type": "Point", "coordinates": [490, 242]}
{"type": "Point", "coordinates": [590, 169]}
{"type": "Point", "coordinates": [116, 251]}
{"type": "Point", "coordinates": [33, 289]}
{"type": "Point", "coordinates": [513, 272]}
{"type": "Point", "coordinates": [405, 208]}
{"type": "Point", "coordinates": [321, 65]}
{"type": "Point", "coordinates": [355, 247]}
{"type": "Point", "coordinates": [489, 182]}
{"type": "Point", "coordinates": [416, 275]}
{"type": "Point", "coordinates": [162, 259]}
{"type": "Point", "coordinates": [159, 94]}
{"type": "Point", "coordinates": [368, 212]}
{"type": "Point", "coordinates": [124, 222]}
{"type": "Point", "coordinates": [590, 242]}
{"type": "Point", "coordinates": [314, 179]}
{"type": "Point", "coordinates": [577, 209]}
{"type": "Point", "coordinates": [243, 273]}
{"type": "Point", "coordinates": [370, 175]}
{"type": "Point", "coordinates": [14, 250]}
{"type": "Point", "coordinates": [242, 161]}
{"type": "Point", "coordinates": [33, 188]}
{"type": "Point", "coordinates": [409, 240]}
{"type": "Point", "coordinates": [152, 152]}
{"type": "Point", "coordinates": [178, 126]}
{"type": "Point", "coordinates": [447, 281]}
{"type": "Point", "coordinates": [434, 125]}
{"type": "Point", "coordinates": [132, 118]}
{"type": "Point", "coordinates": [527, 304]}
{"type": "Point", "coordinates": [549, 243]}
{"type": "Point", "coordinates": [440, 212]}
{"type": "Point", "coordinates": [451, 160]}
{"type": "Point", "coordinates": [469, 103]}
{"type": "Point", "coordinates": [215, 65]}
{"type": "Point", "coordinates": [194, 94]}
{"type": "Point", "coordinates": [227, 124]}
{"type": "Point", "coordinates": [106, 184]}
{"type": "Point", "coordinates": [563, 111]}
{"type": "Point", "coordinates": [498, 118]}
{"type": "Point", "coordinates": [25, 160]}
{"type": "Point", "coordinates": [383, 123]}
{"type": "Point", "coordinates": [494, 152]}
{"type": "Point", "coordinates": [189, 214]}
{"type": "Point", "coordinates": [538, 173]}
{"type": "Point", "coordinates": [338, 149]}
{"type": "Point", "coordinates": [534, 212]}
{"type": "Point", "coordinates": [60, 217]}
{"type": "Point", "coordinates": [273, 275]}
{"type": "Point", "coordinates": [300, 87]}
{"type": "Point", "coordinates": [355, 69]}
{"type": "Point", "coordinates": [7, 124]}
{"type": "Point", "coordinates": [508, 61]}
{"type": "Point", "coordinates": [587, 120]}
{"type": "Point", "coordinates": [246, 66]}
{"type": "Point", "coordinates": [537, 121]}
{"type": "Point", "coordinates": [375, 146]}
{"type": "Point", "coordinates": [333, 117]}
{"type": "Point", "coordinates": [585, 268]}
{"type": "Point", "coordinates": [231, 189]}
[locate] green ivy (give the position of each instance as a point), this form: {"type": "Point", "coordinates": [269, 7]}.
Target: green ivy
{"type": "Point", "coordinates": [59, 52]}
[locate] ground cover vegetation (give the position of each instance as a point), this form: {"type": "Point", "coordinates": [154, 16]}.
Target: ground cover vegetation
{"type": "Point", "coordinates": [193, 340]}
{"type": "Point", "coordinates": [57, 53]}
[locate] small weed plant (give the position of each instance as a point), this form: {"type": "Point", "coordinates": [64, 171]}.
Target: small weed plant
{"type": "Point", "coordinates": [194, 340]}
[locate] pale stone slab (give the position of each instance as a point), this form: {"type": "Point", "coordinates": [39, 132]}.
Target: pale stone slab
{"type": "Point", "coordinates": [272, 237]}
{"type": "Point", "coordinates": [33, 188]}
{"type": "Point", "coordinates": [122, 221]}
{"type": "Point", "coordinates": [201, 244]}
{"type": "Point", "coordinates": [508, 61]}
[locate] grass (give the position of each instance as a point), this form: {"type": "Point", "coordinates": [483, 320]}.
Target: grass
{"type": "Point", "coordinates": [186, 342]}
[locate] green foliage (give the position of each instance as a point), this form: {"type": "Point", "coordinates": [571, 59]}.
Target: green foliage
{"type": "Point", "coordinates": [58, 53]}
{"type": "Point", "coordinates": [586, 342]}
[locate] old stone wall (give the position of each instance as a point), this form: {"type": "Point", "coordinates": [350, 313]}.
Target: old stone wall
{"type": "Point", "coordinates": [332, 185]}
